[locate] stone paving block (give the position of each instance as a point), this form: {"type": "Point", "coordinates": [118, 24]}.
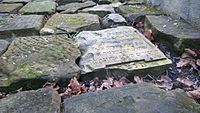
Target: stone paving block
{"type": "Point", "coordinates": [25, 25]}
{"type": "Point", "coordinates": [16, 1]}
{"type": "Point", "coordinates": [121, 48]}
{"type": "Point", "coordinates": [10, 8]}
{"type": "Point", "coordinates": [31, 58]}
{"type": "Point", "coordinates": [177, 34]}
{"type": "Point", "coordinates": [44, 7]}
{"type": "Point", "coordinates": [68, 23]}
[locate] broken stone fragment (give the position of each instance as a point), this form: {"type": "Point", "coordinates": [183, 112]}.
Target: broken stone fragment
{"type": "Point", "coordinates": [100, 10]}
{"type": "Point", "coordinates": [10, 8]}
{"type": "Point", "coordinates": [39, 101]}
{"type": "Point", "coordinates": [74, 7]}
{"type": "Point", "coordinates": [113, 20]}
{"type": "Point", "coordinates": [133, 98]}
{"type": "Point", "coordinates": [44, 7]}
{"type": "Point", "coordinates": [24, 25]}
{"type": "Point", "coordinates": [16, 1]}
{"type": "Point", "coordinates": [121, 48]}
{"type": "Point", "coordinates": [29, 58]}
{"type": "Point", "coordinates": [70, 23]}
{"type": "Point", "coordinates": [177, 34]}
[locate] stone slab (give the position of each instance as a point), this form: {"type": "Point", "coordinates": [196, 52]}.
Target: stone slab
{"type": "Point", "coordinates": [74, 7]}
{"type": "Point", "coordinates": [44, 7]}
{"type": "Point", "coordinates": [3, 46]}
{"type": "Point", "coordinates": [100, 10]}
{"type": "Point", "coordinates": [122, 48]}
{"type": "Point", "coordinates": [63, 2]}
{"type": "Point", "coordinates": [40, 101]}
{"type": "Point", "coordinates": [10, 8]}
{"type": "Point", "coordinates": [31, 57]}
{"type": "Point", "coordinates": [137, 9]}
{"type": "Point", "coordinates": [16, 1]}
{"type": "Point", "coordinates": [25, 25]}
{"type": "Point", "coordinates": [69, 23]}
{"type": "Point", "coordinates": [177, 34]}
{"type": "Point", "coordinates": [133, 98]}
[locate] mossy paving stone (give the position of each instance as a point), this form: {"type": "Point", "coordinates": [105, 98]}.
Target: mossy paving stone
{"type": "Point", "coordinates": [34, 56]}
{"type": "Point", "coordinates": [44, 7]}
{"type": "Point", "coordinates": [25, 25]}
{"type": "Point", "coordinates": [10, 8]}
{"type": "Point", "coordinates": [74, 7]}
{"type": "Point", "coordinates": [133, 98]}
{"type": "Point", "coordinates": [70, 23]}
{"type": "Point", "coordinates": [16, 1]}
{"type": "Point", "coordinates": [137, 9]}
{"type": "Point", "coordinates": [119, 49]}
{"type": "Point", "coordinates": [177, 34]}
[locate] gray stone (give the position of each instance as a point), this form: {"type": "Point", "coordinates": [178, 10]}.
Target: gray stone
{"type": "Point", "coordinates": [34, 56]}
{"type": "Point", "coordinates": [44, 7]}
{"type": "Point", "coordinates": [137, 10]}
{"type": "Point", "coordinates": [101, 10]}
{"type": "Point", "coordinates": [16, 1]}
{"type": "Point", "coordinates": [121, 48]}
{"type": "Point", "coordinates": [113, 20]}
{"type": "Point", "coordinates": [74, 7]}
{"type": "Point", "coordinates": [63, 2]}
{"type": "Point", "coordinates": [43, 0]}
{"type": "Point", "coordinates": [10, 8]}
{"type": "Point", "coordinates": [138, 98]}
{"type": "Point", "coordinates": [69, 23]}
{"type": "Point", "coordinates": [3, 46]}
{"type": "Point", "coordinates": [177, 34]}
{"type": "Point", "coordinates": [40, 101]}
{"type": "Point", "coordinates": [105, 1]}
{"type": "Point", "coordinates": [25, 25]}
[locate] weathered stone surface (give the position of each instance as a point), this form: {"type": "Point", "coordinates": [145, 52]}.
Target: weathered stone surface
{"type": "Point", "coordinates": [63, 2]}
{"type": "Point", "coordinates": [16, 1]}
{"type": "Point", "coordinates": [10, 8]}
{"type": "Point", "coordinates": [105, 1]}
{"type": "Point", "coordinates": [101, 10]}
{"type": "Point", "coordinates": [138, 98]}
{"type": "Point", "coordinates": [32, 57]}
{"type": "Point", "coordinates": [44, 7]}
{"type": "Point", "coordinates": [177, 34]}
{"type": "Point", "coordinates": [3, 46]}
{"type": "Point", "coordinates": [67, 23]}
{"type": "Point", "coordinates": [113, 20]}
{"type": "Point", "coordinates": [74, 7]}
{"type": "Point", "coordinates": [43, 0]}
{"type": "Point", "coordinates": [121, 48]}
{"type": "Point", "coordinates": [186, 9]}
{"type": "Point", "coordinates": [137, 9]}
{"type": "Point", "coordinates": [25, 25]}
{"type": "Point", "coordinates": [40, 101]}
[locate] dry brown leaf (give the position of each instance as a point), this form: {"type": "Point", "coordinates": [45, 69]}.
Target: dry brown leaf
{"type": "Point", "coordinates": [74, 85]}
{"type": "Point", "coordinates": [117, 84]}
{"type": "Point", "coordinates": [148, 35]}
{"type": "Point", "coordinates": [138, 79]}
{"type": "Point", "coordinates": [190, 52]}
{"type": "Point", "coordinates": [164, 78]}
{"type": "Point", "coordinates": [185, 81]}
{"type": "Point", "coordinates": [195, 94]}
{"type": "Point", "coordinates": [184, 62]}
{"type": "Point", "coordinates": [198, 62]}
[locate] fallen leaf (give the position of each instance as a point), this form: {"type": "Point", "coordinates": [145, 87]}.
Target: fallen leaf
{"type": "Point", "coordinates": [118, 84]}
{"type": "Point", "coordinates": [184, 62]}
{"type": "Point", "coordinates": [148, 35]}
{"type": "Point", "coordinates": [74, 85]}
{"type": "Point", "coordinates": [195, 94]}
{"type": "Point", "coordinates": [137, 79]}
{"type": "Point", "coordinates": [190, 52]}
{"type": "Point", "coordinates": [198, 62]}
{"type": "Point", "coordinates": [164, 78]}
{"type": "Point", "coordinates": [185, 81]}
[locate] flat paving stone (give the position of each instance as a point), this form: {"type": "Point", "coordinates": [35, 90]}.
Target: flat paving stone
{"type": "Point", "coordinates": [177, 34]}
{"type": "Point", "coordinates": [100, 10]}
{"type": "Point", "coordinates": [68, 23]}
{"type": "Point", "coordinates": [74, 7]}
{"type": "Point", "coordinates": [16, 1]}
{"type": "Point", "coordinates": [39, 101]}
{"type": "Point", "coordinates": [3, 46]}
{"type": "Point", "coordinates": [44, 7]}
{"type": "Point", "coordinates": [137, 9]}
{"type": "Point", "coordinates": [10, 8]}
{"type": "Point", "coordinates": [25, 25]}
{"type": "Point", "coordinates": [29, 58]}
{"type": "Point", "coordinates": [121, 48]}
{"type": "Point", "coordinates": [133, 98]}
